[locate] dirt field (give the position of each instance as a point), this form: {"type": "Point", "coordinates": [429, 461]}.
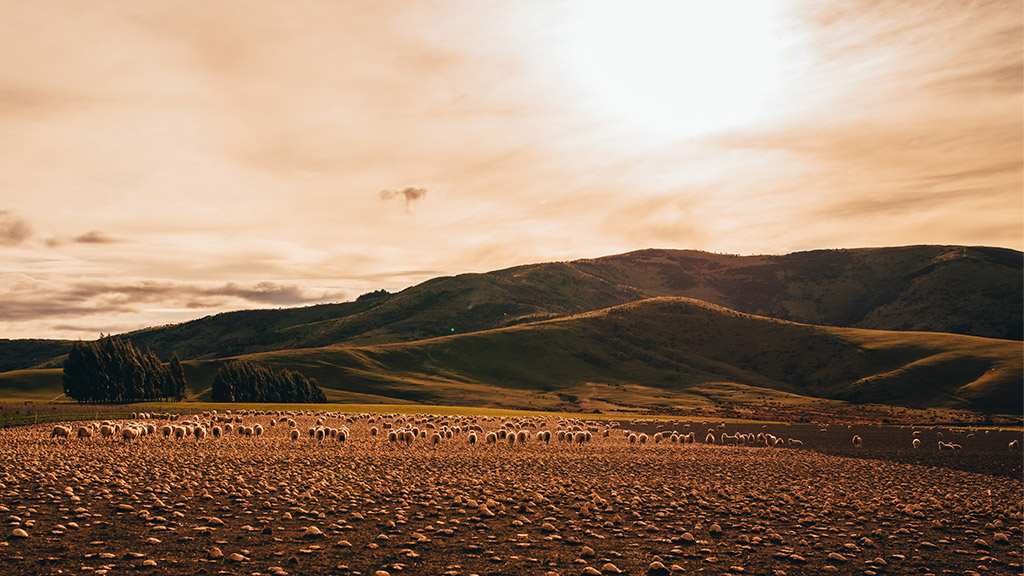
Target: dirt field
{"type": "Point", "coordinates": [268, 504]}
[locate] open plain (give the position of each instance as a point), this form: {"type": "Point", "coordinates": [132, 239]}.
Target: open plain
{"type": "Point", "coordinates": [360, 494]}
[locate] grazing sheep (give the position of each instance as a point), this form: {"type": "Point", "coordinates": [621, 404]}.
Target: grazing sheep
{"type": "Point", "coordinates": [342, 434]}
{"type": "Point", "coordinates": [1014, 444]}
{"type": "Point", "coordinates": [916, 443]}
{"type": "Point", "coordinates": [795, 442]}
{"type": "Point", "coordinates": [491, 438]}
{"type": "Point", "coordinates": [84, 432]}
{"type": "Point", "coordinates": [471, 438]}
{"type": "Point", "coordinates": [216, 431]}
{"type": "Point", "coordinates": [435, 438]}
{"type": "Point", "coordinates": [294, 434]}
{"type": "Point", "coordinates": [257, 430]}
{"type": "Point", "coordinates": [199, 433]}
{"type": "Point", "coordinates": [166, 430]}
{"type": "Point", "coordinates": [522, 436]}
{"type": "Point", "coordinates": [857, 442]}
{"type": "Point", "coordinates": [710, 438]}
{"type": "Point", "coordinates": [392, 436]}
{"type": "Point", "coordinates": [60, 432]}
{"type": "Point", "coordinates": [130, 433]}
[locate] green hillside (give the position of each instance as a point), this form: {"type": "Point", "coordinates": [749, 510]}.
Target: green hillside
{"type": "Point", "coordinates": [638, 329]}
{"type": "Point", "coordinates": [669, 351]}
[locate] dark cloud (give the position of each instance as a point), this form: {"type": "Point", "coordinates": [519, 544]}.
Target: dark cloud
{"type": "Point", "coordinates": [94, 237]}
{"type": "Point", "coordinates": [409, 194]}
{"type": "Point", "coordinates": [93, 298]}
{"type": "Point", "coordinates": [13, 230]}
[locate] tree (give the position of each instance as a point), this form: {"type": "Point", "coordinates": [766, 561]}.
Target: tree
{"type": "Point", "coordinates": [176, 378]}
{"type": "Point", "coordinates": [112, 370]}
{"type": "Point", "coordinates": [247, 381]}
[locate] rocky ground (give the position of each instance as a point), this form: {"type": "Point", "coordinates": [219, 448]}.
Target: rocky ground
{"type": "Point", "coordinates": [268, 504]}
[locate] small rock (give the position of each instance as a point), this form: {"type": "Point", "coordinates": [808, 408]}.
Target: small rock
{"type": "Point", "coordinates": [610, 568]}
{"type": "Point", "coordinates": [980, 543]}
{"type": "Point", "coordinates": [19, 533]}
{"type": "Point", "coordinates": [236, 557]}
{"type": "Point", "coordinates": [587, 552]}
{"type": "Point", "coordinates": [548, 527]}
{"type": "Point", "coordinates": [1000, 538]}
{"type": "Point", "coordinates": [216, 553]}
{"type": "Point", "coordinates": [835, 557]}
{"type": "Point", "coordinates": [591, 571]}
{"type": "Point", "coordinates": [149, 562]}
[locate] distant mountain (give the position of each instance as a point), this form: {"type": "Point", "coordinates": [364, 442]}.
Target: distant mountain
{"type": "Point", "coordinates": [668, 351]}
{"type": "Point", "coordinates": [960, 290]}
{"type": "Point", "coordinates": [917, 290]}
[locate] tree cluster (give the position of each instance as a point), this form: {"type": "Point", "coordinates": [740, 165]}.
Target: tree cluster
{"type": "Point", "coordinates": [111, 370]}
{"type": "Point", "coordinates": [246, 381]}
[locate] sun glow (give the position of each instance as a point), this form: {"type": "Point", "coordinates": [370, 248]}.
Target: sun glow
{"type": "Point", "coordinates": [676, 68]}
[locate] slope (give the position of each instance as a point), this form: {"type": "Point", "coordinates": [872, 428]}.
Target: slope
{"type": "Point", "coordinates": [969, 290]}
{"type": "Point", "coordinates": [669, 351]}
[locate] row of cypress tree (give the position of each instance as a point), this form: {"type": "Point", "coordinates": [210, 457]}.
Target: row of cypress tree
{"type": "Point", "coordinates": [246, 381]}
{"type": "Point", "coordinates": [112, 370]}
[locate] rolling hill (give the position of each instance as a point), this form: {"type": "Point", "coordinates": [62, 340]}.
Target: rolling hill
{"type": "Point", "coordinates": [913, 326]}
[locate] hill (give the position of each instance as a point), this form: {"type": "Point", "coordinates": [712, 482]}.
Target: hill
{"type": "Point", "coordinates": [962, 290]}
{"type": "Point", "coordinates": [669, 351]}
{"type": "Point", "coordinates": [803, 325]}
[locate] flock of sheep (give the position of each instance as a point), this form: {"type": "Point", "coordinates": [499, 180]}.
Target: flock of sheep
{"type": "Point", "coordinates": [302, 492]}
{"type": "Point", "coordinates": [404, 429]}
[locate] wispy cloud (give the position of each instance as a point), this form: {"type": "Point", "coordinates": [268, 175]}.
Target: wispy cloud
{"type": "Point", "coordinates": [13, 230]}
{"type": "Point", "coordinates": [28, 299]}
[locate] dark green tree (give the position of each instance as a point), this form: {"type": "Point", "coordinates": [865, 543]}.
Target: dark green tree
{"type": "Point", "coordinates": [176, 378]}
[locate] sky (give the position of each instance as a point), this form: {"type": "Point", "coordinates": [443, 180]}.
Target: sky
{"type": "Point", "coordinates": [163, 161]}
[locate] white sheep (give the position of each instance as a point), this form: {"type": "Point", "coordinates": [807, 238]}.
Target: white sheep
{"type": "Point", "coordinates": [60, 432]}
{"type": "Point", "coordinates": [84, 432]}
{"type": "Point", "coordinates": [795, 442]}
{"type": "Point", "coordinates": [916, 443]}
{"type": "Point", "coordinates": [294, 434]}
{"type": "Point", "coordinates": [857, 442]}
{"type": "Point", "coordinates": [130, 433]}
{"type": "Point", "coordinates": [1014, 444]}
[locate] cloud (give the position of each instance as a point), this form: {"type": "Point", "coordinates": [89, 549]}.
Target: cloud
{"type": "Point", "coordinates": [410, 194]}
{"type": "Point", "coordinates": [13, 230]}
{"type": "Point", "coordinates": [28, 299]}
{"type": "Point", "coordinates": [94, 237]}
